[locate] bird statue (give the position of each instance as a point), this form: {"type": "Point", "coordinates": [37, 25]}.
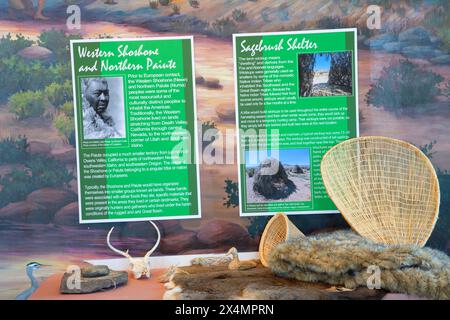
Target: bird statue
{"type": "Point", "coordinates": [236, 264]}
{"type": "Point", "coordinates": [34, 283]}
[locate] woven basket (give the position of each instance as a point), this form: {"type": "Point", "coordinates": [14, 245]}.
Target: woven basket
{"type": "Point", "coordinates": [278, 229]}
{"type": "Point", "coordinates": [386, 189]}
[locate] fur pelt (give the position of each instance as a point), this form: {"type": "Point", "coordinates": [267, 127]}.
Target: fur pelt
{"type": "Point", "coordinates": [218, 282]}
{"type": "Point", "coordinates": [343, 258]}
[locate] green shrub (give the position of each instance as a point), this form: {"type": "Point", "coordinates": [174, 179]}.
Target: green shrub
{"type": "Point", "coordinates": [443, 34]}
{"type": "Point", "coordinates": [13, 150]}
{"type": "Point", "coordinates": [257, 225]}
{"type": "Point", "coordinates": [164, 2]}
{"type": "Point", "coordinates": [16, 186]}
{"type": "Point", "coordinates": [40, 172]}
{"type": "Point", "coordinates": [404, 85]}
{"type": "Point", "coordinates": [427, 149]}
{"type": "Point", "coordinates": [64, 124]}
{"type": "Point", "coordinates": [59, 73]}
{"type": "Point", "coordinates": [10, 46]}
{"type": "Point", "coordinates": [194, 3]}
{"type": "Point", "coordinates": [176, 9]}
{"type": "Point", "coordinates": [104, 36]}
{"type": "Point", "coordinates": [153, 4]}
{"type": "Point", "coordinates": [58, 42]}
{"type": "Point", "coordinates": [329, 23]}
{"type": "Point", "coordinates": [223, 28]}
{"type": "Point", "coordinates": [58, 94]}
{"type": "Point", "coordinates": [16, 74]}
{"type": "Point", "coordinates": [67, 109]}
{"type": "Point", "coordinates": [439, 239]}
{"type": "Point", "coordinates": [27, 104]}
{"type": "Point", "coordinates": [188, 24]}
{"type": "Point", "coordinates": [232, 195]}
{"type": "Point", "coordinates": [208, 125]}
{"type": "Point", "coordinates": [265, 14]}
{"type": "Point", "coordinates": [448, 89]}
{"type": "Point", "coordinates": [48, 172]}
{"type": "Point", "coordinates": [239, 15]}
{"type": "Point", "coordinates": [438, 20]}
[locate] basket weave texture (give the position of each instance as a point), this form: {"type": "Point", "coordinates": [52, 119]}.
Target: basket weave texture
{"type": "Point", "coordinates": [279, 229]}
{"type": "Point", "coordinates": [386, 189]}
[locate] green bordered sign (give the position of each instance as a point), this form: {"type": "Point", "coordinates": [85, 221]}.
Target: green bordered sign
{"type": "Point", "coordinates": [136, 132]}
{"type": "Point", "coordinates": [296, 97]}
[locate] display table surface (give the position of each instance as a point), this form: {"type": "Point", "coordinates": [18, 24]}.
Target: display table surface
{"type": "Point", "coordinates": [143, 289]}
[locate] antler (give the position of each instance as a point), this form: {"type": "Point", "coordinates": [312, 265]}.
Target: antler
{"type": "Point", "coordinates": [157, 241]}
{"type": "Point", "coordinates": [123, 253]}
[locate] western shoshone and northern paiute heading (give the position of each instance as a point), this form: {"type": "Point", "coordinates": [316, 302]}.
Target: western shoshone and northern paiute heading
{"type": "Point", "coordinates": [291, 44]}
{"type": "Point", "coordinates": [123, 52]}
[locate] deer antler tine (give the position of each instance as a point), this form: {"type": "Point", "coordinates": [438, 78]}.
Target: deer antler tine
{"type": "Point", "coordinates": [108, 241]}
{"type": "Point", "coordinates": [157, 241]}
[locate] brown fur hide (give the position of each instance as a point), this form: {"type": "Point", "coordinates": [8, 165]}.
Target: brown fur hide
{"type": "Point", "coordinates": [343, 258]}
{"type": "Point", "coordinates": [218, 282]}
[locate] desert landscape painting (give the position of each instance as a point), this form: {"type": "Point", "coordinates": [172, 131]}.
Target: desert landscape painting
{"type": "Point", "coordinates": [403, 92]}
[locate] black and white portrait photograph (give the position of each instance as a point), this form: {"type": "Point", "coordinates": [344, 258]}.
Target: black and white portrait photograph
{"type": "Point", "coordinates": [103, 108]}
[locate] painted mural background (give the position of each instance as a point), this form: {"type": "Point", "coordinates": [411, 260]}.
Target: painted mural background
{"type": "Point", "coordinates": [404, 86]}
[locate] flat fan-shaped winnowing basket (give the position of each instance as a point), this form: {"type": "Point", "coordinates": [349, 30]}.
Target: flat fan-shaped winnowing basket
{"type": "Point", "coordinates": [279, 229]}
{"type": "Point", "coordinates": [386, 189]}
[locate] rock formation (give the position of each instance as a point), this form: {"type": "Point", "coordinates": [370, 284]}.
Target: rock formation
{"type": "Point", "coordinates": [38, 147]}
{"type": "Point", "coordinates": [36, 53]}
{"type": "Point", "coordinates": [93, 279]}
{"type": "Point", "coordinates": [67, 215]}
{"type": "Point", "coordinates": [52, 199]}
{"type": "Point", "coordinates": [271, 180]}
{"type": "Point", "coordinates": [225, 112]}
{"type": "Point", "coordinates": [220, 232]}
{"type": "Point", "coordinates": [25, 212]}
{"type": "Point", "coordinates": [415, 42]}
{"type": "Point", "coordinates": [178, 242]}
{"type": "Point", "coordinates": [297, 169]}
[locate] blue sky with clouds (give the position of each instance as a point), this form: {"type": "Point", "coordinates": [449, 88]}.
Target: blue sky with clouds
{"type": "Point", "coordinates": [322, 62]}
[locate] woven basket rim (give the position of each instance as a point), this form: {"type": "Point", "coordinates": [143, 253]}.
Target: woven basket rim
{"type": "Point", "coordinates": [408, 145]}
{"type": "Point", "coordinates": [265, 232]}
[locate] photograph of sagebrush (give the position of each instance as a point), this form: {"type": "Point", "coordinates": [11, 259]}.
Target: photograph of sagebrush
{"type": "Point", "coordinates": [103, 108]}
{"type": "Point", "coordinates": [283, 175]}
{"type": "Point", "coordinates": [325, 74]}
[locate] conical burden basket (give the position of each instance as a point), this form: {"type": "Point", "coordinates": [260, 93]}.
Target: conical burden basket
{"type": "Point", "coordinates": [278, 229]}
{"type": "Point", "coordinates": [386, 189]}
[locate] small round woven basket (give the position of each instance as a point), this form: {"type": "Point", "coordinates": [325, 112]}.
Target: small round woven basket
{"type": "Point", "coordinates": [279, 229]}
{"type": "Point", "coordinates": [386, 189]}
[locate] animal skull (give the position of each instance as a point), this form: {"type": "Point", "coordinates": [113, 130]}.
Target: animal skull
{"type": "Point", "coordinates": [138, 266]}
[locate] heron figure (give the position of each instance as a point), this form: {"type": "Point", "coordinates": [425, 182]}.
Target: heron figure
{"type": "Point", "coordinates": [34, 283]}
